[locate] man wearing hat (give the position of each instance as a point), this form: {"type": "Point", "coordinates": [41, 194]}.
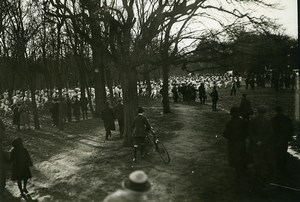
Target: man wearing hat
{"type": "Point", "coordinates": [141, 127]}
{"type": "Point", "coordinates": [134, 189]}
{"type": "Point", "coordinates": [108, 117]}
{"type": "Point", "coordinates": [283, 132]}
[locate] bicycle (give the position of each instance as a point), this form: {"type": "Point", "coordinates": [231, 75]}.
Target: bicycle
{"type": "Point", "coordinates": [156, 145]}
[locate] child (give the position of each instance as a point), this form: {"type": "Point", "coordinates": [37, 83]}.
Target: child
{"type": "Point", "coordinates": [20, 165]}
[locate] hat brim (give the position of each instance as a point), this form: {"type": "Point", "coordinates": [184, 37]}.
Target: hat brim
{"type": "Point", "coordinates": [130, 186]}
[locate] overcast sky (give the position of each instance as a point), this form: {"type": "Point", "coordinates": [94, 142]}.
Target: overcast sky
{"type": "Point", "coordinates": [288, 16]}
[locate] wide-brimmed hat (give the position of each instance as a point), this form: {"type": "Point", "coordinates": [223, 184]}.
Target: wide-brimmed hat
{"type": "Point", "coordinates": [137, 182]}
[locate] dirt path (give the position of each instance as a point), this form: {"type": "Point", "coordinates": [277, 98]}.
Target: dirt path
{"type": "Point", "coordinates": [78, 165]}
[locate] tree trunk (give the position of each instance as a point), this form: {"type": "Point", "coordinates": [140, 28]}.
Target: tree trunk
{"type": "Point", "coordinates": [165, 91]}
{"type": "Point", "coordinates": [100, 94]}
{"type": "Point", "coordinates": [34, 107]}
{"type": "Point", "coordinates": [90, 101]}
{"type": "Point", "coordinates": [109, 85]}
{"type": "Point", "coordinates": [130, 98]}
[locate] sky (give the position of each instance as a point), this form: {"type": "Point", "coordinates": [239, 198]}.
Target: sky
{"type": "Point", "coordinates": [287, 16]}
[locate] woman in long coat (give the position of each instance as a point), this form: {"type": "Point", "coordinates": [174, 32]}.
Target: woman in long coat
{"type": "Point", "coordinates": [21, 162]}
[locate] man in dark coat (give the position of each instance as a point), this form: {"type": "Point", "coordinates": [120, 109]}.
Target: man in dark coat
{"type": "Point", "coordinates": [215, 97]}
{"type": "Point", "coordinates": [202, 93]}
{"type": "Point", "coordinates": [108, 118]}
{"type": "Point", "coordinates": [235, 132]}
{"type": "Point", "coordinates": [283, 132]}
{"type": "Point", "coordinates": [84, 107]}
{"type": "Point", "coordinates": [175, 93]}
{"type": "Point", "coordinates": [119, 112]}
{"type": "Point", "coordinates": [245, 108]}
{"type": "Point", "coordinates": [76, 108]}
{"type": "Point", "coordinates": [261, 133]}
{"type": "Point", "coordinates": [141, 127]}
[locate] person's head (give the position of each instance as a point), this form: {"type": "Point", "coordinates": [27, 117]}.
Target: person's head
{"type": "Point", "coordinates": [17, 143]}
{"type": "Point", "coordinates": [140, 110]}
{"type": "Point", "coordinates": [279, 110]}
{"type": "Point", "coordinates": [244, 95]}
{"type": "Point", "coordinates": [137, 182]}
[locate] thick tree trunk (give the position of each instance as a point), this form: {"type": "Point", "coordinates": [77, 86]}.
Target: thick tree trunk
{"type": "Point", "coordinates": [165, 91]}
{"type": "Point", "coordinates": [109, 85]}
{"type": "Point", "coordinates": [100, 94]}
{"type": "Point", "coordinates": [32, 86]}
{"type": "Point", "coordinates": [34, 108]}
{"type": "Point", "coordinates": [90, 101]}
{"type": "Point", "coordinates": [130, 98]}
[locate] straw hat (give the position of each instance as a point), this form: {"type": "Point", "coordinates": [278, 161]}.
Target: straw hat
{"type": "Point", "coordinates": [137, 182]}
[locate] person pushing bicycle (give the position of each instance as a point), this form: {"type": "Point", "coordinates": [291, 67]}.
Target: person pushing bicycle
{"type": "Point", "coordinates": [141, 127]}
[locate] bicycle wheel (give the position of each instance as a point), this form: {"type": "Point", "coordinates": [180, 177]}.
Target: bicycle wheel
{"type": "Point", "coordinates": [149, 146]}
{"type": "Point", "coordinates": [163, 152]}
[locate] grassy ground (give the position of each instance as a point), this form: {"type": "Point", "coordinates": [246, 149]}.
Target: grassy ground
{"type": "Point", "coordinates": [78, 165]}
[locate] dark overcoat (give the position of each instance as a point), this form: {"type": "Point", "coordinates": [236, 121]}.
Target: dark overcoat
{"type": "Point", "coordinates": [235, 132]}
{"type": "Point", "coordinates": [16, 115]}
{"type": "Point", "coordinates": [21, 162]}
{"type": "Point", "coordinates": [141, 126]}
{"type": "Point", "coordinates": [108, 118]}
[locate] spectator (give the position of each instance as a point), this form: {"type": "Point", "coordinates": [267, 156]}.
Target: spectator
{"type": "Point", "coordinates": [16, 114]}
{"type": "Point", "coordinates": [233, 88]}
{"type": "Point", "coordinates": [261, 133]}
{"type": "Point", "coordinates": [245, 108]}
{"type": "Point", "coordinates": [55, 112]}
{"type": "Point", "coordinates": [108, 118]}
{"type": "Point", "coordinates": [283, 132]}
{"type": "Point", "coordinates": [84, 107]}
{"type": "Point", "coordinates": [134, 189]}
{"type": "Point", "coordinates": [215, 97]}
{"type": "Point", "coordinates": [235, 132]}
{"type": "Point", "coordinates": [175, 93]}
{"type": "Point", "coordinates": [202, 93]}
{"type": "Point", "coordinates": [24, 115]}
{"type": "Point", "coordinates": [21, 162]}
{"type": "Point", "coordinates": [141, 127]}
{"type": "Point", "coordinates": [119, 112]}
{"type": "Point", "coordinates": [76, 108]}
